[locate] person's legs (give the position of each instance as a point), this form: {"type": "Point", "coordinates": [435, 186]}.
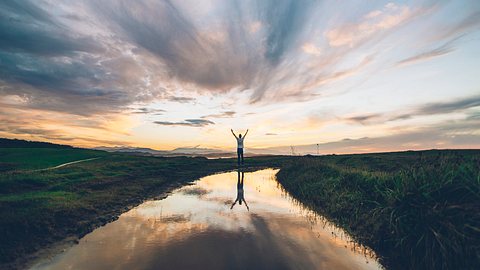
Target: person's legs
{"type": "Point", "coordinates": [238, 155]}
{"type": "Point", "coordinates": [241, 151]}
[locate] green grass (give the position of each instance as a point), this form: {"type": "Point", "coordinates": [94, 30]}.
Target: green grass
{"type": "Point", "coordinates": [417, 210]}
{"type": "Point", "coordinates": [40, 196]}
{"type": "Point", "coordinates": [39, 158]}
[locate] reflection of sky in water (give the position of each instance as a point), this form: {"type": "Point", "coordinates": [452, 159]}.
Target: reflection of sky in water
{"type": "Point", "coordinates": [195, 228]}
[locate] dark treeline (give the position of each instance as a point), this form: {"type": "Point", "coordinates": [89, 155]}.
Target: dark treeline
{"type": "Point", "coordinates": [16, 143]}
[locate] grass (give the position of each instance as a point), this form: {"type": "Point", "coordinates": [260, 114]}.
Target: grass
{"type": "Point", "coordinates": [417, 210]}
{"type": "Point", "coordinates": [39, 158]}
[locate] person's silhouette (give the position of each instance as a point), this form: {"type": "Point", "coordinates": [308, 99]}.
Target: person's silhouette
{"type": "Point", "coordinates": [239, 146]}
{"type": "Point", "coordinates": [240, 194]}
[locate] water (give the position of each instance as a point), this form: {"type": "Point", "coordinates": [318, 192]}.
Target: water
{"type": "Point", "coordinates": [196, 227]}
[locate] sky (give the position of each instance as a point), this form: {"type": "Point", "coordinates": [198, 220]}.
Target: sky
{"type": "Point", "coordinates": [350, 76]}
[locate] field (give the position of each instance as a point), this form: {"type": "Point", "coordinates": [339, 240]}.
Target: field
{"type": "Point", "coordinates": [417, 210]}
{"type": "Point", "coordinates": [40, 158]}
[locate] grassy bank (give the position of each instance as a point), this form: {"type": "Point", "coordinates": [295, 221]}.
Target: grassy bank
{"type": "Point", "coordinates": [40, 208]}
{"type": "Point", "coordinates": [417, 210]}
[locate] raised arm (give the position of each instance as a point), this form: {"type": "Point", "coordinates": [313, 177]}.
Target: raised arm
{"type": "Point", "coordinates": [233, 133]}
{"type": "Point", "coordinates": [245, 133]}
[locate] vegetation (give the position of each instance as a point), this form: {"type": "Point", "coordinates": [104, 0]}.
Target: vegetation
{"type": "Point", "coordinates": [417, 210]}
{"type": "Point", "coordinates": [12, 159]}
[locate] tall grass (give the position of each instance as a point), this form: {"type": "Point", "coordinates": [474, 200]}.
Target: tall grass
{"type": "Point", "coordinates": [422, 216]}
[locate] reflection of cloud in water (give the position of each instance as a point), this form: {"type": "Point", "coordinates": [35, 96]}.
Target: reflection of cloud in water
{"type": "Point", "coordinates": [175, 218]}
{"type": "Point", "coordinates": [185, 232]}
{"type": "Point", "coordinates": [197, 191]}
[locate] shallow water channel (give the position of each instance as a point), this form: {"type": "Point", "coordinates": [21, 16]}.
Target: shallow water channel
{"type": "Point", "coordinates": [199, 227]}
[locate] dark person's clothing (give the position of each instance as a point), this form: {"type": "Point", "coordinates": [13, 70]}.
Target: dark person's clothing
{"type": "Point", "coordinates": [240, 155]}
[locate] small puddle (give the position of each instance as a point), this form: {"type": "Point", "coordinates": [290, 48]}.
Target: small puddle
{"type": "Point", "coordinates": [204, 226]}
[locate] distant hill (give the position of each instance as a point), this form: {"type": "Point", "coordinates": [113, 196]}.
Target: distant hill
{"type": "Point", "coordinates": [16, 143]}
{"type": "Point", "coordinates": [133, 150]}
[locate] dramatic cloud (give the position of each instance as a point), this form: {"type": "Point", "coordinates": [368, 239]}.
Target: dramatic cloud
{"type": "Point", "coordinates": [27, 28]}
{"type": "Point", "coordinates": [83, 70]}
{"type": "Point", "coordinates": [187, 122]}
{"type": "Point", "coordinates": [50, 65]}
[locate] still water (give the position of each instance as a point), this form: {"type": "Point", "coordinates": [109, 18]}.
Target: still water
{"type": "Point", "coordinates": [231, 220]}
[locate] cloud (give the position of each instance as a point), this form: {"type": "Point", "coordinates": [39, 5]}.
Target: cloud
{"type": "Point", "coordinates": [225, 114]}
{"type": "Point", "coordinates": [450, 134]}
{"type": "Point", "coordinates": [474, 116]}
{"type": "Point", "coordinates": [181, 99]}
{"type": "Point", "coordinates": [310, 48]}
{"type": "Point", "coordinates": [271, 134]}
{"type": "Point", "coordinates": [282, 32]}
{"type": "Point", "coordinates": [27, 28]}
{"type": "Point", "coordinates": [373, 23]}
{"type": "Point", "coordinates": [145, 110]}
{"type": "Point", "coordinates": [449, 34]}
{"type": "Point", "coordinates": [25, 130]}
{"type": "Point", "coordinates": [436, 52]}
{"type": "Point", "coordinates": [440, 108]}
{"type": "Point", "coordinates": [448, 107]}
{"type": "Point", "coordinates": [437, 108]}
{"type": "Point", "coordinates": [51, 64]}
{"type": "Point", "coordinates": [217, 55]}
{"type": "Point", "coordinates": [455, 30]}
{"type": "Point", "coordinates": [364, 119]}
{"type": "Point", "coordinates": [189, 53]}
{"type": "Point", "coordinates": [425, 56]}
{"type": "Point", "coordinates": [187, 122]}
{"type": "Point", "coordinates": [109, 55]}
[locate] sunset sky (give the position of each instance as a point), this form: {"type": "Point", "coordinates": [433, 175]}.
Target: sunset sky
{"type": "Point", "coordinates": [352, 76]}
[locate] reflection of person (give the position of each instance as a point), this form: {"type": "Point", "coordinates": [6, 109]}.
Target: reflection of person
{"type": "Point", "coordinates": [240, 196]}
{"type": "Point", "coordinates": [239, 145]}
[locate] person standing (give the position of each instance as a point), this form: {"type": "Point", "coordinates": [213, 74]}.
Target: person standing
{"type": "Point", "coordinates": [239, 146]}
